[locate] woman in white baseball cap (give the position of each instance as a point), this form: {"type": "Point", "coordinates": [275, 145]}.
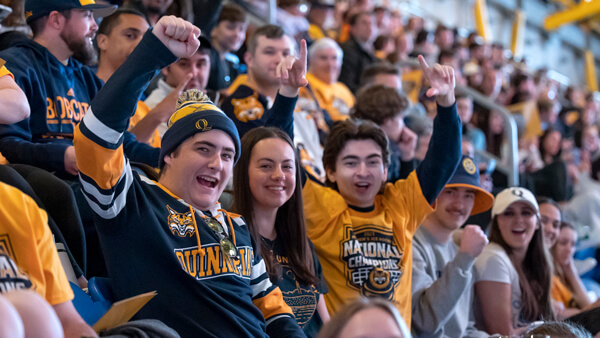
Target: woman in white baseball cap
{"type": "Point", "coordinates": [513, 274]}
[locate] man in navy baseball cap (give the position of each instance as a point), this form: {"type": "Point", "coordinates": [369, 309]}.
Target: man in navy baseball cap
{"type": "Point", "coordinates": [442, 283]}
{"type": "Point", "coordinates": [35, 9]}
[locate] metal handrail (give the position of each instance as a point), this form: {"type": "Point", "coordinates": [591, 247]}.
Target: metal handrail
{"type": "Point", "coordinates": [509, 165]}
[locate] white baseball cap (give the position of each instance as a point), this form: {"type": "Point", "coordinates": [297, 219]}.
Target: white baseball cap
{"type": "Point", "coordinates": [509, 196]}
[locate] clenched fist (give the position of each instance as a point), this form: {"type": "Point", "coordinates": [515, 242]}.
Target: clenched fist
{"type": "Point", "coordinates": [178, 35]}
{"type": "Point", "coordinates": [473, 240]}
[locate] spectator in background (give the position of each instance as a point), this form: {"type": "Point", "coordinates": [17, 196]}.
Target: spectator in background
{"type": "Point", "coordinates": [424, 45]}
{"type": "Point", "coordinates": [383, 46]}
{"type": "Point", "coordinates": [498, 57]}
{"type": "Point", "coordinates": [358, 50]}
{"type": "Point", "coordinates": [324, 65]}
{"type": "Point", "coordinates": [551, 219]}
{"type": "Point", "coordinates": [291, 16]}
{"type": "Point", "coordinates": [254, 98]}
{"type": "Point", "coordinates": [118, 34]}
{"type": "Point", "coordinates": [403, 47]}
{"type": "Point", "coordinates": [512, 287]}
{"type": "Point", "coordinates": [382, 20]}
{"type": "Point", "coordinates": [226, 38]}
{"type": "Point", "coordinates": [547, 113]}
{"type": "Point", "coordinates": [386, 107]}
{"type": "Point", "coordinates": [568, 290]}
{"type": "Point", "coordinates": [584, 207]}
{"type": "Point", "coordinates": [590, 142]}
{"type": "Point", "coordinates": [423, 127]}
{"type": "Point", "coordinates": [442, 285]}
{"type": "Point", "coordinates": [464, 106]}
{"type": "Point", "coordinates": [320, 17]}
{"type": "Point", "coordinates": [443, 37]}
{"type": "Point", "coordinates": [366, 317]}
{"type": "Point", "coordinates": [550, 146]}
{"type": "Point", "coordinates": [415, 24]}
{"type": "Point", "coordinates": [155, 9]}
{"type": "Point", "coordinates": [384, 73]}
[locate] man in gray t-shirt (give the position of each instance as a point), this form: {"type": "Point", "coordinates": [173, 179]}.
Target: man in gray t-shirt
{"type": "Point", "coordinates": [442, 283]}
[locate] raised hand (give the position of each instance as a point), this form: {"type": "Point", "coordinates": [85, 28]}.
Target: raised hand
{"type": "Point", "coordinates": [442, 82]}
{"type": "Point", "coordinates": [178, 35]}
{"type": "Point", "coordinates": [292, 72]}
{"type": "Point", "coordinates": [473, 240]}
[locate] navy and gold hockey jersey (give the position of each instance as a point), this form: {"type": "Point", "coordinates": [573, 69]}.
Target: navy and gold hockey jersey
{"type": "Point", "coordinates": [153, 240]}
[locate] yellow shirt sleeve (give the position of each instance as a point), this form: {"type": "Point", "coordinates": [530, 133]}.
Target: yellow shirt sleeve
{"type": "Point", "coordinates": [26, 239]}
{"type": "Point", "coordinates": [560, 293]}
{"type": "Point", "coordinates": [140, 112]}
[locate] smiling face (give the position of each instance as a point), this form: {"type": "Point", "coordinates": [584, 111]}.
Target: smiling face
{"type": "Point", "coordinates": [359, 172]}
{"type": "Point", "coordinates": [453, 207]}
{"type": "Point", "coordinates": [565, 245]}
{"type": "Point", "coordinates": [517, 225]}
{"type": "Point", "coordinates": [272, 173]}
{"type": "Point", "coordinates": [199, 169]}
{"type": "Point", "coordinates": [551, 223]}
{"type": "Point", "coordinates": [268, 54]}
{"type": "Point", "coordinates": [229, 35]}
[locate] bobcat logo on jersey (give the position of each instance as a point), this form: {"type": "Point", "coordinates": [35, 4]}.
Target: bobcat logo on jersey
{"type": "Point", "coordinates": [373, 260]}
{"type": "Point", "coordinates": [181, 223]}
{"type": "Point", "coordinates": [248, 108]}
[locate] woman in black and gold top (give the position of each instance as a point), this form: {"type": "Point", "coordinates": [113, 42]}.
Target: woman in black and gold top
{"type": "Point", "coordinates": [268, 192]}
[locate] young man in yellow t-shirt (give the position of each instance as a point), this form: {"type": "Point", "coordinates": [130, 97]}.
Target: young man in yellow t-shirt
{"type": "Point", "coordinates": [361, 227]}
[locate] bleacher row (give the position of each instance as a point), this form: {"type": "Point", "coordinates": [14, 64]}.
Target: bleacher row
{"type": "Point", "coordinates": [317, 177]}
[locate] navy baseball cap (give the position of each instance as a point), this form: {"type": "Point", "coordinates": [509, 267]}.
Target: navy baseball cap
{"type": "Point", "coordinates": [467, 176]}
{"type": "Point", "coordinates": [35, 9]}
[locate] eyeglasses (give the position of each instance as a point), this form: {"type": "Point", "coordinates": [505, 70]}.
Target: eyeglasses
{"type": "Point", "coordinates": [227, 245]}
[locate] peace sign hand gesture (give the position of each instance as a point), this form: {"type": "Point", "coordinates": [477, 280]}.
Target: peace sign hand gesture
{"type": "Point", "coordinates": [292, 72]}
{"type": "Point", "coordinates": [442, 82]}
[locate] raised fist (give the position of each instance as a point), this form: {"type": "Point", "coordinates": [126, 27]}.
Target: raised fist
{"type": "Point", "coordinates": [178, 35]}
{"type": "Point", "coordinates": [473, 240]}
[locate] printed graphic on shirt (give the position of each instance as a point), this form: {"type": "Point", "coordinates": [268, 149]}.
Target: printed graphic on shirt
{"type": "Point", "coordinates": [181, 224]}
{"type": "Point", "coordinates": [373, 260]}
{"type": "Point", "coordinates": [209, 261]}
{"type": "Point", "coordinates": [11, 277]}
{"type": "Point", "coordinates": [248, 108]}
{"type": "Point", "coordinates": [341, 106]}
{"type": "Point", "coordinates": [303, 299]}
{"type": "Point", "coordinates": [64, 110]}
